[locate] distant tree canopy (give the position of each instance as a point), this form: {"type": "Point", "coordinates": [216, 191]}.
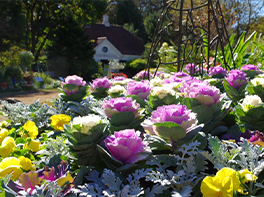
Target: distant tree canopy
{"type": "Point", "coordinates": [36, 25]}
{"type": "Point", "coordinates": [12, 24]}
{"type": "Point", "coordinates": [40, 25]}
{"type": "Point", "coordinates": [76, 49]}
{"type": "Point", "coordinates": [126, 13]}
{"type": "Point", "coordinates": [247, 13]}
{"type": "Point", "coordinates": [45, 17]}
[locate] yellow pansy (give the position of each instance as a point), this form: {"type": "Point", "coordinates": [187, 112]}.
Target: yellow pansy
{"type": "Point", "coordinates": [247, 176]}
{"type": "Point", "coordinates": [33, 145]}
{"type": "Point", "coordinates": [10, 165]}
{"type": "Point", "coordinates": [3, 134]}
{"type": "Point", "coordinates": [7, 147]}
{"type": "Point", "coordinates": [31, 128]}
{"type": "Point", "coordinates": [57, 121]}
{"type": "Point", "coordinates": [3, 124]}
{"type": "Point", "coordinates": [26, 163]}
{"type": "Point", "coordinates": [223, 184]}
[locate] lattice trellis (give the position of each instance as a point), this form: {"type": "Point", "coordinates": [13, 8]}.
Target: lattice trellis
{"type": "Point", "coordinates": [193, 42]}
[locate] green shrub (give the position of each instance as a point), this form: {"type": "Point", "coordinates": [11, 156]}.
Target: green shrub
{"type": "Point", "coordinates": [2, 76]}
{"type": "Point", "coordinates": [134, 66]}
{"type": "Point", "coordinates": [26, 59]}
{"type": "Point", "coordinates": [49, 83]}
{"type": "Point", "coordinates": [13, 71]}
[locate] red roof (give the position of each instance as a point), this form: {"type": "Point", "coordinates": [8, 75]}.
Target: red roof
{"type": "Point", "coordinates": [123, 40]}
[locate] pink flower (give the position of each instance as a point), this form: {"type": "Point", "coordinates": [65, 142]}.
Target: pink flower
{"type": "Point", "coordinates": [217, 70]}
{"type": "Point", "coordinates": [126, 146]}
{"type": "Point", "coordinates": [118, 78]}
{"type": "Point", "coordinates": [236, 78]}
{"type": "Point", "coordinates": [191, 69]}
{"type": "Point", "coordinates": [205, 93]}
{"type": "Point", "coordinates": [180, 74]}
{"type": "Point", "coordinates": [120, 104]}
{"type": "Point", "coordinates": [173, 79]}
{"type": "Point", "coordinates": [143, 75]}
{"type": "Point", "coordinates": [74, 80]}
{"type": "Point", "coordinates": [101, 83]}
{"type": "Point", "coordinates": [175, 113]}
{"type": "Point", "coordinates": [140, 88]}
{"type": "Point", "coordinates": [250, 67]}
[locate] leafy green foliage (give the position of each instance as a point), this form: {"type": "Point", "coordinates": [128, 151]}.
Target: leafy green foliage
{"type": "Point", "coordinates": [128, 12]}
{"type": "Point", "coordinates": [125, 120]}
{"type": "Point", "coordinates": [170, 130]}
{"type": "Point", "coordinates": [134, 66]}
{"type": "Point", "coordinates": [155, 101]}
{"type": "Point", "coordinates": [239, 51]}
{"type": "Point", "coordinates": [234, 94]}
{"type": "Point", "coordinates": [20, 113]}
{"type": "Point", "coordinates": [53, 16]}
{"type": "Point", "coordinates": [12, 24]}
{"type": "Point", "coordinates": [255, 90]}
{"type": "Point", "coordinates": [252, 119]}
{"type": "Point", "coordinates": [84, 146]}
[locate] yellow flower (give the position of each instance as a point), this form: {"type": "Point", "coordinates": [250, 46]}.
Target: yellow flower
{"type": "Point", "coordinates": [10, 165]}
{"type": "Point", "coordinates": [247, 176]}
{"type": "Point", "coordinates": [57, 121]}
{"type": "Point", "coordinates": [33, 145]}
{"type": "Point", "coordinates": [223, 184]}
{"type": "Point", "coordinates": [31, 128]}
{"type": "Point", "coordinates": [26, 163]}
{"type": "Point", "coordinates": [3, 134]}
{"type": "Point", "coordinates": [3, 124]}
{"type": "Point", "coordinates": [8, 146]}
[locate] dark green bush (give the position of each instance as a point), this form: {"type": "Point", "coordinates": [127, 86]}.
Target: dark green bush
{"type": "Point", "coordinates": [13, 71]}
{"type": "Point", "coordinates": [2, 76]}
{"type": "Point", "coordinates": [134, 66]}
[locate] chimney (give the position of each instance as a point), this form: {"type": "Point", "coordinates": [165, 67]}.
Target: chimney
{"type": "Point", "coordinates": [105, 20]}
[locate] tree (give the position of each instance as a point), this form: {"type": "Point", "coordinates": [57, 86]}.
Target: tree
{"type": "Point", "coordinates": [126, 12]}
{"type": "Point", "coordinates": [247, 13]}
{"type": "Point", "coordinates": [44, 18]}
{"type": "Point", "coordinates": [12, 23]}
{"type": "Point", "coordinates": [149, 7]}
{"type": "Point", "coordinates": [150, 23]}
{"type": "Point", "coordinates": [76, 49]}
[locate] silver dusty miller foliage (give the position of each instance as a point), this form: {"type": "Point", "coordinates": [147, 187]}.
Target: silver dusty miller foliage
{"type": "Point", "coordinates": [20, 113]}
{"type": "Point", "coordinates": [74, 109]}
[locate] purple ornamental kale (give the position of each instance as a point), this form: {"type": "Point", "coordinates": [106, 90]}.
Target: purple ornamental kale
{"type": "Point", "coordinates": [120, 104]}
{"type": "Point", "coordinates": [126, 146]}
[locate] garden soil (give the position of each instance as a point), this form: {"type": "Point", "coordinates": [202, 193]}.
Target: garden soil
{"type": "Point", "coordinates": [29, 97]}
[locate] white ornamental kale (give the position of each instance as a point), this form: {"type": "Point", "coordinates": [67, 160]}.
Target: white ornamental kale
{"type": "Point", "coordinates": [187, 163]}
{"type": "Point", "coordinates": [251, 101]}
{"type": "Point", "coordinates": [87, 122]}
{"type": "Point", "coordinates": [116, 89]}
{"type": "Point", "coordinates": [258, 81]}
{"type": "Point", "coordinates": [162, 91]}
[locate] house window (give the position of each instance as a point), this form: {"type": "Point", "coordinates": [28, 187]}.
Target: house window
{"type": "Point", "coordinates": [104, 49]}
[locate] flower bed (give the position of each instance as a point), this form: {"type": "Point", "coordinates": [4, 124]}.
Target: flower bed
{"type": "Point", "coordinates": [175, 135]}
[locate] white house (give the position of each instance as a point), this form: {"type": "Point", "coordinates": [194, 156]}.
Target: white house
{"type": "Point", "coordinates": [114, 42]}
